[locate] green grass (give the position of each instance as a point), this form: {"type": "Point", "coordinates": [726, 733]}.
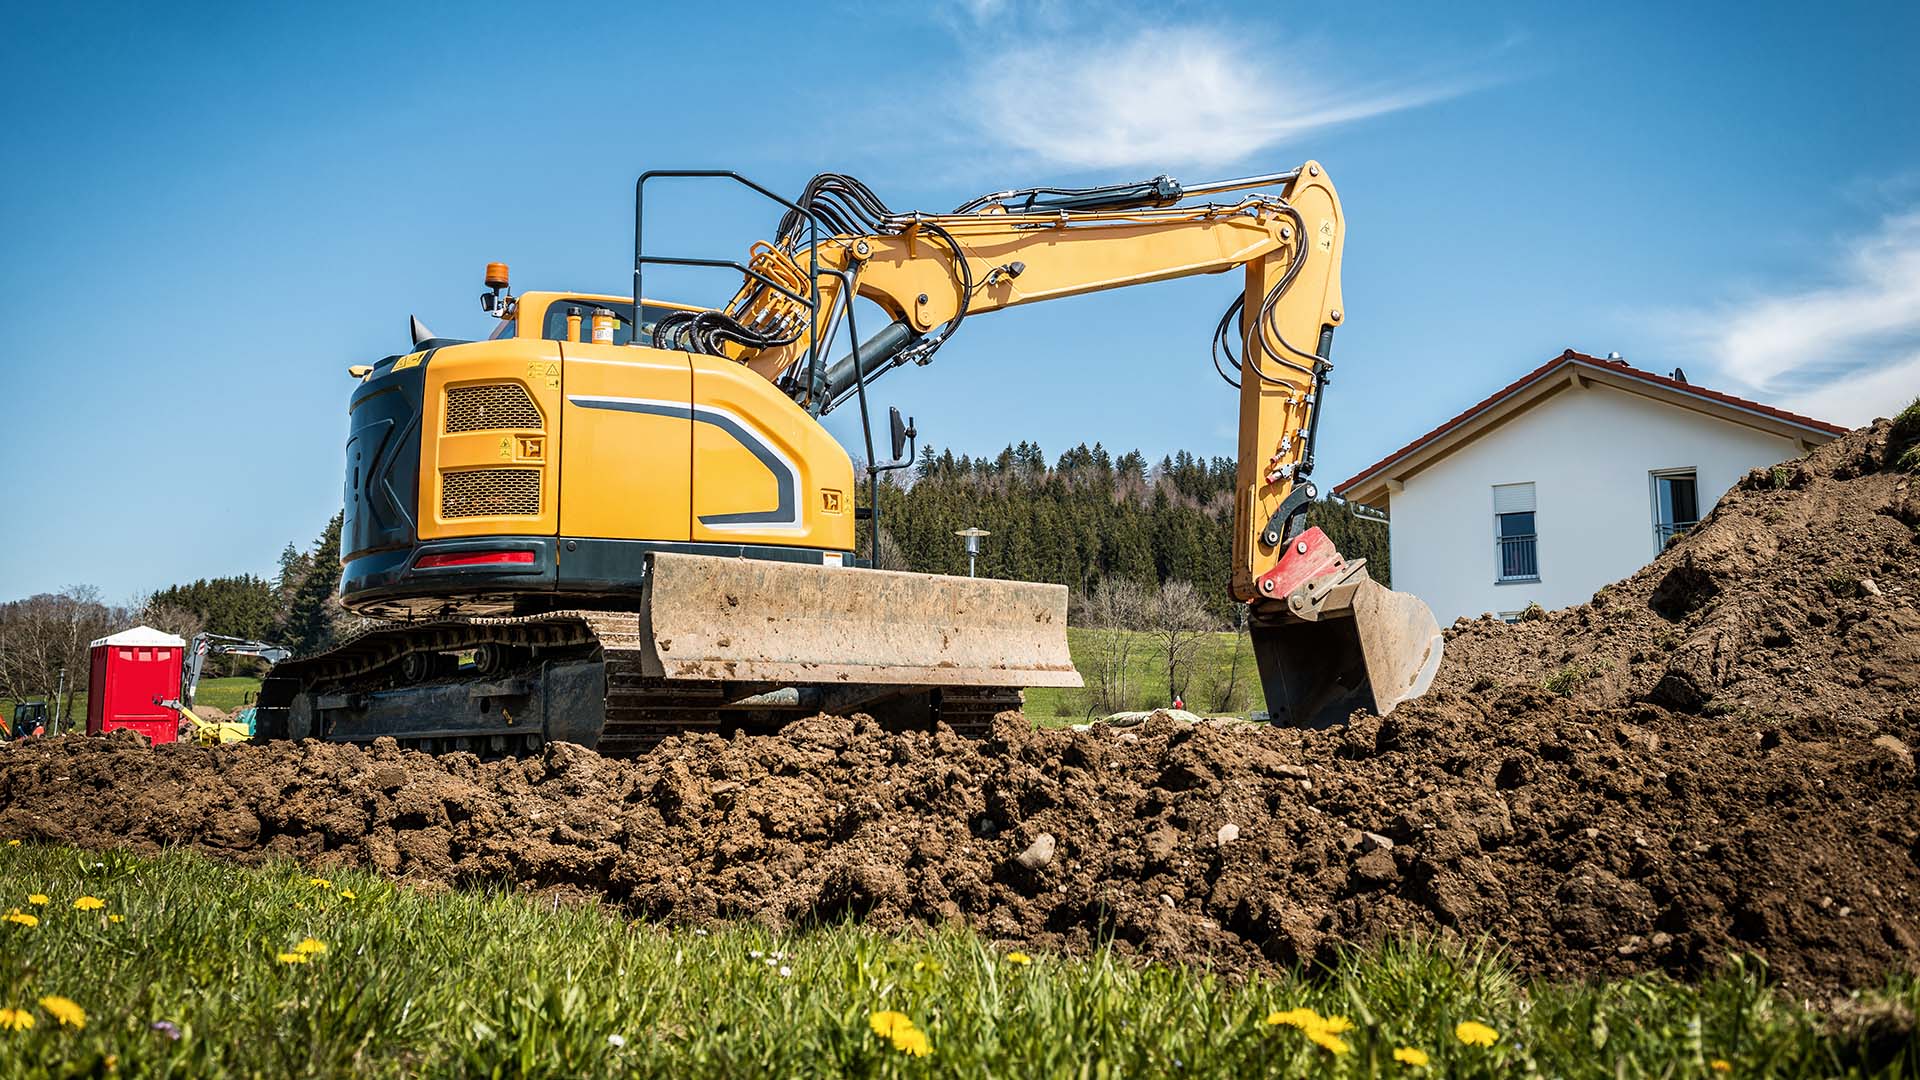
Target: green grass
{"type": "Point", "coordinates": [1146, 676]}
{"type": "Point", "coordinates": [496, 983]}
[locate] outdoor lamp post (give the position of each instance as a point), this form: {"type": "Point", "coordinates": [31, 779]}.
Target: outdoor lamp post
{"type": "Point", "coordinates": [972, 537]}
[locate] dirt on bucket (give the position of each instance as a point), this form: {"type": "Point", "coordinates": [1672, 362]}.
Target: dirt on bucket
{"type": "Point", "coordinates": [1712, 757]}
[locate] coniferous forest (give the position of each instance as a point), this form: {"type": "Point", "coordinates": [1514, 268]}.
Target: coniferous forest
{"type": "Point", "coordinates": [1085, 517]}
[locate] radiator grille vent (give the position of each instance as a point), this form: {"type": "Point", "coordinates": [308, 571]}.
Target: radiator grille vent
{"type": "Point", "coordinates": [490, 408]}
{"type": "Point", "coordinates": [490, 493]}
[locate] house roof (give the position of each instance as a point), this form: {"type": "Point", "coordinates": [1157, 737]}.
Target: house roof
{"type": "Point", "coordinates": [142, 636]}
{"type": "Point", "coordinates": [1371, 483]}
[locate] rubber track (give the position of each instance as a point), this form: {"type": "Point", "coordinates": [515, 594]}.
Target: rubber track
{"type": "Point", "coordinates": [640, 710]}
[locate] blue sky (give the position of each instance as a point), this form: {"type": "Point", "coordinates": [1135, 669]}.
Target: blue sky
{"type": "Point", "coordinates": [207, 214]}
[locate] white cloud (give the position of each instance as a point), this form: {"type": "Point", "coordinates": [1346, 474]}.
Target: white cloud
{"type": "Point", "coordinates": [1845, 351]}
{"type": "Point", "coordinates": [1162, 97]}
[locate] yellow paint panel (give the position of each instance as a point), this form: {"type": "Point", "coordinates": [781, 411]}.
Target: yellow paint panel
{"type": "Point", "coordinates": [482, 482]}
{"type": "Point", "coordinates": [626, 455]}
{"type": "Point", "coordinates": [747, 438]}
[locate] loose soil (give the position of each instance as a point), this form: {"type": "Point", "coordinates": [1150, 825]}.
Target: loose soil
{"type": "Point", "coordinates": [1712, 757]}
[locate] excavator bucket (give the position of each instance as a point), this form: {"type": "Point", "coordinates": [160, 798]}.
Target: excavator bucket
{"type": "Point", "coordinates": [1342, 641]}
{"type": "Point", "coordinates": [759, 621]}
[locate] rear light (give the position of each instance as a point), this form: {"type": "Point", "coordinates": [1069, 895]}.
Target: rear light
{"type": "Point", "coordinates": [474, 558]}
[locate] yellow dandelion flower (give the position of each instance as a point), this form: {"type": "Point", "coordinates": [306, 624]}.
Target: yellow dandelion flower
{"type": "Point", "coordinates": [38, 899]}
{"type": "Point", "coordinates": [1019, 958]}
{"type": "Point", "coordinates": [1720, 1065]}
{"type": "Point", "coordinates": [1336, 1024]}
{"type": "Point", "coordinates": [13, 843]}
{"type": "Point", "coordinates": [320, 883]}
{"type": "Point", "coordinates": [1327, 1040]}
{"type": "Point", "coordinates": [89, 903]}
{"type": "Point", "coordinates": [347, 894]}
{"type": "Point", "coordinates": [15, 1020]}
{"type": "Point", "coordinates": [311, 946]}
{"type": "Point", "coordinates": [1303, 1018]}
{"type": "Point", "coordinates": [21, 917]}
{"type": "Point", "coordinates": [65, 1010]}
{"type": "Point", "coordinates": [912, 1041]}
{"type": "Point", "coordinates": [1411, 1055]}
{"type": "Point", "coordinates": [884, 1024]}
{"type": "Point", "coordinates": [116, 918]}
{"type": "Point", "coordinates": [293, 958]}
{"type": "Point", "coordinates": [1475, 1033]}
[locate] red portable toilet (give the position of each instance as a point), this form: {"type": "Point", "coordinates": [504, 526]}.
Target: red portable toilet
{"type": "Point", "coordinates": [132, 673]}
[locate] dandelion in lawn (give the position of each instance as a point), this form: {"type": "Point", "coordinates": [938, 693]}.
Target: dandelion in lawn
{"type": "Point", "coordinates": [1327, 1040]}
{"type": "Point", "coordinates": [1336, 1024]}
{"type": "Point", "coordinates": [116, 918]}
{"type": "Point", "coordinates": [1411, 1055]}
{"type": "Point", "coordinates": [320, 883]}
{"type": "Point", "coordinates": [38, 899]}
{"type": "Point", "coordinates": [293, 958]}
{"type": "Point", "coordinates": [311, 946]}
{"type": "Point", "coordinates": [21, 917]}
{"type": "Point", "coordinates": [1475, 1033]}
{"type": "Point", "coordinates": [15, 1019]}
{"type": "Point", "coordinates": [1720, 1065]}
{"type": "Point", "coordinates": [884, 1024]}
{"type": "Point", "coordinates": [89, 903]}
{"type": "Point", "coordinates": [912, 1041]}
{"type": "Point", "coordinates": [13, 843]}
{"type": "Point", "coordinates": [1302, 1018]}
{"type": "Point", "coordinates": [65, 1010]}
{"type": "Point", "coordinates": [347, 894]}
{"type": "Point", "coordinates": [1019, 958]}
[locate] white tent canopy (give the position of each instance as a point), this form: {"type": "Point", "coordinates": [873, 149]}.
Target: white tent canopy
{"type": "Point", "coordinates": [143, 637]}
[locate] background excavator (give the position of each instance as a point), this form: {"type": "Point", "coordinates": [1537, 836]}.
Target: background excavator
{"type": "Point", "coordinates": [607, 526]}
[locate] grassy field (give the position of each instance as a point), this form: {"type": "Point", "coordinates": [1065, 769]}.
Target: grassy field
{"type": "Point", "coordinates": [225, 694]}
{"type": "Point", "coordinates": [1146, 678]}
{"type": "Point", "coordinates": [195, 968]}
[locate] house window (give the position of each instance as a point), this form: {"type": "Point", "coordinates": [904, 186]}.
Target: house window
{"type": "Point", "coordinates": [1676, 505]}
{"type": "Point", "coordinates": [1516, 551]}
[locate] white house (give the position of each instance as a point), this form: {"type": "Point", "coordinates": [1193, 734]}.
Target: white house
{"type": "Point", "coordinates": [1574, 476]}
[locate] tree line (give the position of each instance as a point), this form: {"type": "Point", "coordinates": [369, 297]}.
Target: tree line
{"type": "Point", "coordinates": [1086, 518]}
{"type": "Point", "coordinates": [46, 637]}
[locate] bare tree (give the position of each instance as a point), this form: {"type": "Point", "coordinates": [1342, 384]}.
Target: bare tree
{"type": "Point", "coordinates": [1223, 688]}
{"type": "Point", "coordinates": [1114, 612]}
{"type": "Point", "coordinates": [45, 635]}
{"type": "Point", "coordinates": [1178, 621]}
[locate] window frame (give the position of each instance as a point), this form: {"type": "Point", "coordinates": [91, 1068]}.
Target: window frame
{"type": "Point", "coordinates": [1499, 541]}
{"type": "Point", "coordinates": [1654, 476]}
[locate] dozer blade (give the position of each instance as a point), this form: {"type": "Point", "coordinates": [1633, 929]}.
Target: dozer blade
{"type": "Point", "coordinates": [1342, 642]}
{"type": "Point", "coordinates": [752, 620]}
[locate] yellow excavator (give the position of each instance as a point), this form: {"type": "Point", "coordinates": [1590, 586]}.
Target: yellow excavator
{"type": "Point", "coordinates": [607, 525]}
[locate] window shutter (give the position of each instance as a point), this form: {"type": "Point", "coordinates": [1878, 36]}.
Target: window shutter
{"type": "Point", "coordinates": [1513, 498]}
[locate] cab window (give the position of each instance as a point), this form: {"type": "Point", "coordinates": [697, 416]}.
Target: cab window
{"type": "Point", "coordinates": [556, 321]}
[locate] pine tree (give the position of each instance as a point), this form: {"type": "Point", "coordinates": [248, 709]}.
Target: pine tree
{"type": "Point", "coordinates": [315, 608]}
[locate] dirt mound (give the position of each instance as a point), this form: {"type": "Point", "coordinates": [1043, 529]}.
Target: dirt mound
{"type": "Point", "coordinates": [1714, 756]}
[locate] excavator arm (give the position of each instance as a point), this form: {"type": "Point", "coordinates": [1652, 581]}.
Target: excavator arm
{"type": "Point", "coordinates": [928, 272]}
{"type": "Point", "coordinates": [1327, 637]}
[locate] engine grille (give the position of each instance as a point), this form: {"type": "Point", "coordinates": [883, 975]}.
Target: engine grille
{"type": "Point", "coordinates": [490, 408]}
{"type": "Point", "coordinates": [490, 493]}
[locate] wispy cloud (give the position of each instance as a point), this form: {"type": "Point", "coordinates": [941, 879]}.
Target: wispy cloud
{"type": "Point", "coordinates": [1163, 97]}
{"type": "Point", "coordinates": [1846, 350]}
